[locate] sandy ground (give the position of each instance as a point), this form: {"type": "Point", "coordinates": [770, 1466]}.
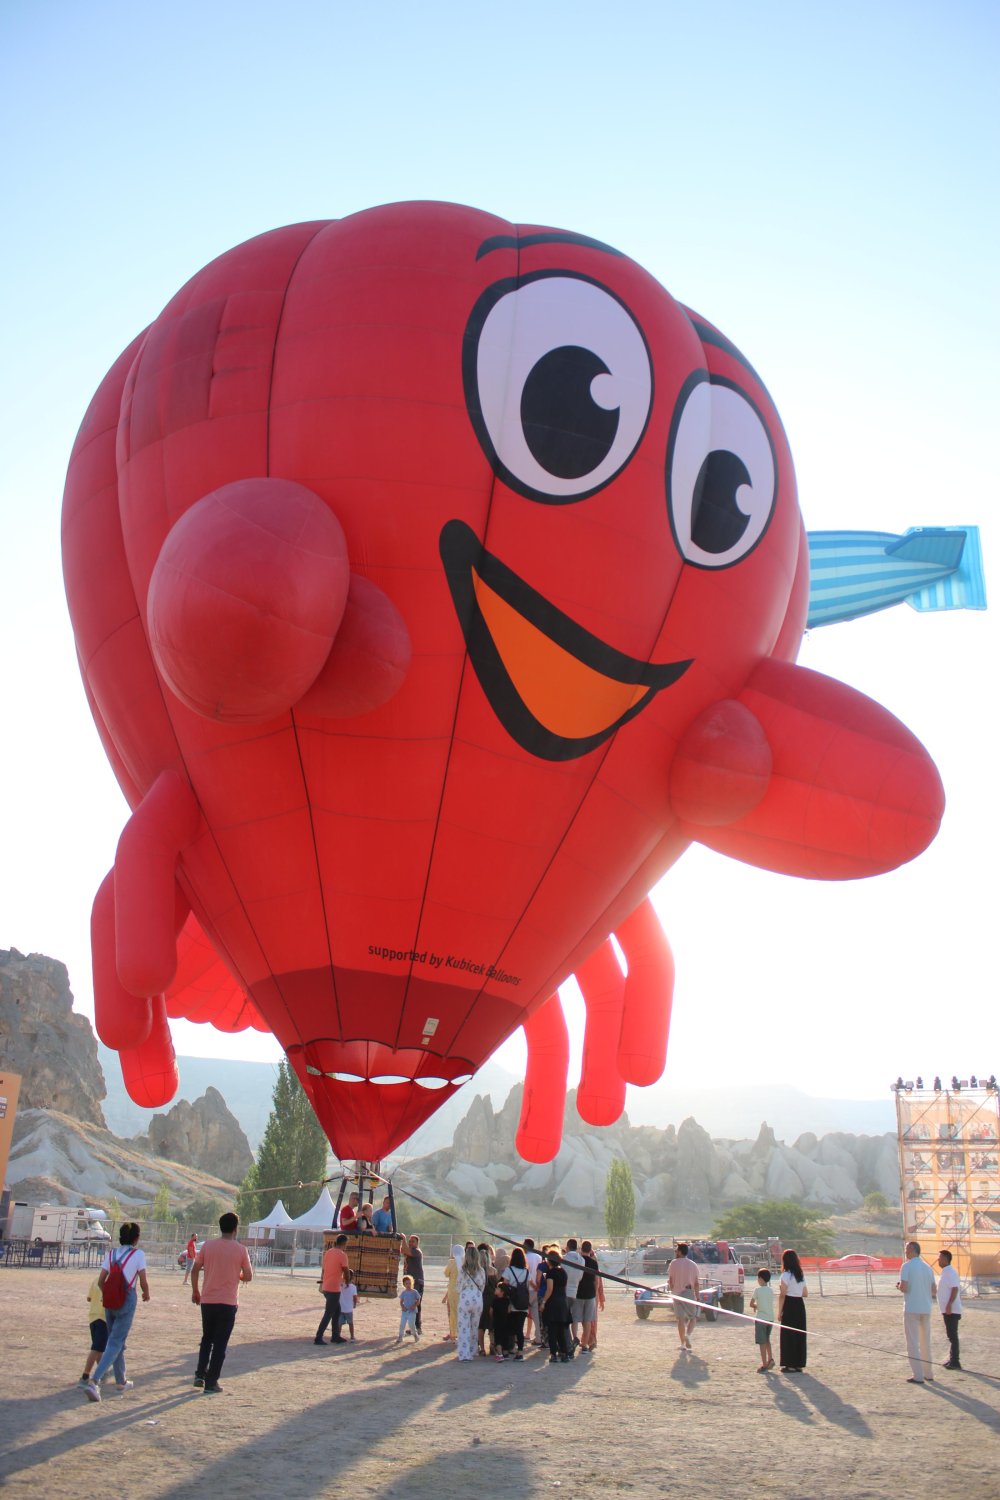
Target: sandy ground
{"type": "Point", "coordinates": [637, 1418]}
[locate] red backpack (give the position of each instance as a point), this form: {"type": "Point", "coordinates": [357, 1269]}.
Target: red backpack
{"type": "Point", "coordinates": [116, 1285]}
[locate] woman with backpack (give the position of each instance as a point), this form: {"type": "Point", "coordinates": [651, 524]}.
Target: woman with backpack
{"type": "Point", "coordinates": [121, 1269]}
{"type": "Point", "coordinates": [518, 1301]}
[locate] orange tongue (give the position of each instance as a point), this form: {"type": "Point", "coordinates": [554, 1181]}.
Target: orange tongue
{"type": "Point", "coordinates": [565, 696]}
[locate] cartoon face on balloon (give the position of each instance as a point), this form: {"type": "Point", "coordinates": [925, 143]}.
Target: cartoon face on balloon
{"type": "Point", "coordinates": [435, 582]}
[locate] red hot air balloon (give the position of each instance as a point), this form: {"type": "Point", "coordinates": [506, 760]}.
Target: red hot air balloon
{"type": "Point", "coordinates": [435, 582]}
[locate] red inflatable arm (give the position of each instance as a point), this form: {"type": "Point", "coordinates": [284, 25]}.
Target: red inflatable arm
{"type": "Point", "coordinates": [540, 1128]}
{"type": "Point", "coordinates": [852, 791]}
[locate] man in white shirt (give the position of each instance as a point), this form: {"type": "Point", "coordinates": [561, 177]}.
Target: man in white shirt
{"type": "Point", "coordinates": [573, 1266]}
{"type": "Point", "coordinates": [949, 1297]}
{"type": "Point", "coordinates": [916, 1282]}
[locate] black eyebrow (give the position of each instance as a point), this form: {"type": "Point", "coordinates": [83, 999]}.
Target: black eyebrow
{"type": "Point", "coordinates": [719, 341]}
{"type": "Point", "coordinates": [518, 242]}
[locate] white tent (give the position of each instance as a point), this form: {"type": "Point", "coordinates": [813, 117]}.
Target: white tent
{"type": "Point", "coordinates": [276, 1219]}
{"type": "Point", "coordinates": [320, 1216]}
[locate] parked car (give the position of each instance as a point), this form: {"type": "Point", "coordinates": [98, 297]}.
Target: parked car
{"type": "Point", "coordinates": [659, 1296]}
{"type": "Point", "coordinates": [854, 1263]}
{"type": "Point", "coordinates": [715, 1263]}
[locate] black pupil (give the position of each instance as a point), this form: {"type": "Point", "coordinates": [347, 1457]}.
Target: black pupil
{"type": "Point", "coordinates": [565, 429]}
{"type": "Point", "coordinates": [717, 523]}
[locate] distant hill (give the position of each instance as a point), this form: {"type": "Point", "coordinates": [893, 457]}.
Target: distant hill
{"type": "Point", "coordinates": [247, 1088]}
{"type": "Point", "coordinates": [726, 1113]}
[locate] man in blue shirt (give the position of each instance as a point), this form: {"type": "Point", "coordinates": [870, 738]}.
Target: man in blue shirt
{"type": "Point", "coordinates": [382, 1218]}
{"type": "Point", "coordinates": [916, 1282]}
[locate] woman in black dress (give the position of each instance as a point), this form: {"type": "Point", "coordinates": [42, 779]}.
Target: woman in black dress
{"type": "Point", "coordinates": [792, 1315]}
{"type": "Point", "coordinates": [554, 1310]}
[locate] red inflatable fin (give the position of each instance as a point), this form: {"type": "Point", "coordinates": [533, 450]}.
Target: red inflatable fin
{"type": "Point", "coordinates": [150, 1070]}
{"type": "Point", "coordinates": [204, 989]}
{"type": "Point", "coordinates": [852, 791]}
{"type": "Point", "coordinates": [539, 1131]}
{"type": "Point", "coordinates": [163, 824]}
{"type": "Point", "coordinates": [601, 1096]}
{"type": "Point", "coordinates": [649, 991]}
{"type": "Point", "coordinates": [122, 1020]}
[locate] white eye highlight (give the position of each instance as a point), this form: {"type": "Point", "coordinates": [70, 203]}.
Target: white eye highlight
{"type": "Point", "coordinates": [721, 474]}
{"type": "Point", "coordinates": [558, 384]}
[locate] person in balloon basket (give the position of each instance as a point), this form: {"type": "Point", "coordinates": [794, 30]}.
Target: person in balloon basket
{"type": "Point", "coordinates": [223, 1263]}
{"type": "Point", "coordinates": [382, 1218]}
{"type": "Point", "coordinates": [409, 1306]}
{"type": "Point", "coordinates": [335, 1264]}
{"type": "Point", "coordinates": [121, 1269]}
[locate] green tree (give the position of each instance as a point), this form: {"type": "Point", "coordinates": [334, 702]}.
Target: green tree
{"type": "Point", "coordinates": [160, 1209]}
{"type": "Point", "coordinates": [805, 1230]}
{"type": "Point", "coordinates": [413, 1218]}
{"type": "Point", "coordinates": [293, 1150]}
{"type": "Point", "coordinates": [619, 1203]}
{"type": "Point", "coordinates": [203, 1211]}
{"type": "Point", "coordinates": [876, 1203]}
{"type": "Point", "coordinates": [494, 1207]}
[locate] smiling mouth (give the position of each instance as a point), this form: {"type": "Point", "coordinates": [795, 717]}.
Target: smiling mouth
{"type": "Point", "coordinates": [557, 690]}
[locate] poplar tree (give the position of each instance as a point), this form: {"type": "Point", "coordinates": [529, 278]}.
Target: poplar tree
{"type": "Point", "coordinates": [294, 1149]}
{"type": "Point", "coordinates": [619, 1203]}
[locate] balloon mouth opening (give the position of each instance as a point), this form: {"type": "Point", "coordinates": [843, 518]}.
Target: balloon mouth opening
{"type": "Point", "coordinates": [425, 1081]}
{"type": "Point", "coordinates": [558, 690]}
{"type": "Point", "coordinates": [368, 1063]}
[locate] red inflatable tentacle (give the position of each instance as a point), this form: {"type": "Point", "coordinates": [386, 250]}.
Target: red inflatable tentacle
{"type": "Point", "coordinates": [649, 991]}
{"type": "Point", "coordinates": [539, 1130]}
{"type": "Point", "coordinates": [121, 1019]}
{"type": "Point", "coordinates": [146, 908]}
{"type": "Point", "coordinates": [150, 1070]}
{"type": "Point", "coordinates": [601, 1096]}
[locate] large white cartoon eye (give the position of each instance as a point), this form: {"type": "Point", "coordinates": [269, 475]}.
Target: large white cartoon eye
{"type": "Point", "coordinates": [558, 384]}
{"type": "Point", "coordinates": [721, 474]}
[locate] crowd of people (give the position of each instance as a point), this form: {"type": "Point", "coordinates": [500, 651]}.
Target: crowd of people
{"type": "Point", "coordinates": [499, 1298]}
{"type": "Point", "coordinates": [499, 1301]}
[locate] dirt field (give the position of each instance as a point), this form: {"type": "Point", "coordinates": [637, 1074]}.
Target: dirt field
{"type": "Point", "coordinates": [637, 1418]}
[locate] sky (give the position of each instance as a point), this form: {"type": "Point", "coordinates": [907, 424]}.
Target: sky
{"type": "Point", "coordinates": [819, 182]}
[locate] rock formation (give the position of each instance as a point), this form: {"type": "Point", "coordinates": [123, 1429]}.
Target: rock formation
{"type": "Point", "coordinates": [58, 1159]}
{"type": "Point", "coordinates": [205, 1135]}
{"type": "Point", "coordinates": [53, 1050]}
{"type": "Point", "coordinates": [682, 1169]}
{"type": "Point", "coordinates": [62, 1151]}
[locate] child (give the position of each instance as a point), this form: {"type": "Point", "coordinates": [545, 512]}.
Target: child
{"type": "Point", "coordinates": [98, 1329]}
{"type": "Point", "coordinates": [762, 1303]}
{"type": "Point", "coordinates": [348, 1299]}
{"type": "Point", "coordinates": [409, 1301]}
